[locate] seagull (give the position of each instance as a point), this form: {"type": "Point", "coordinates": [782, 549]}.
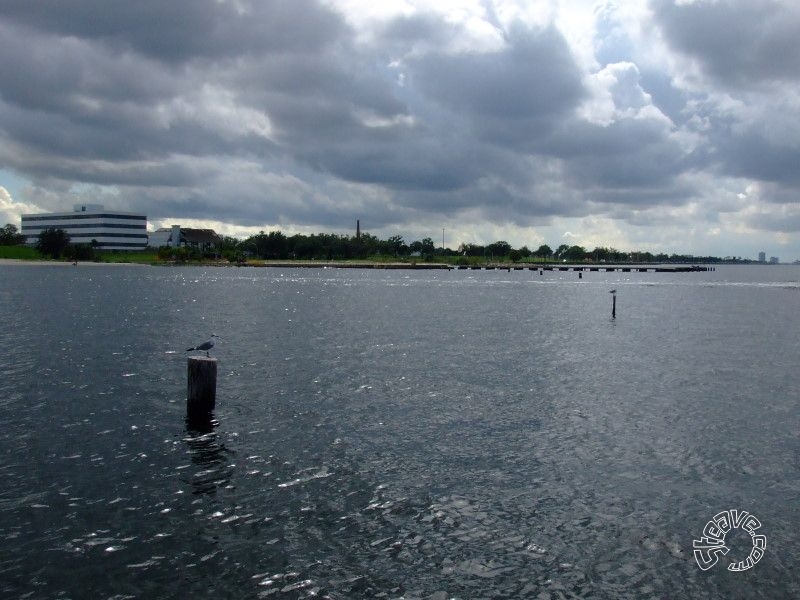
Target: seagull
{"type": "Point", "coordinates": [205, 346]}
{"type": "Point", "coordinates": [612, 291]}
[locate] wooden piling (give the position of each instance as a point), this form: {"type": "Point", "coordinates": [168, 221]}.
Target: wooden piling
{"type": "Point", "coordinates": [614, 306]}
{"type": "Point", "coordinates": [201, 386]}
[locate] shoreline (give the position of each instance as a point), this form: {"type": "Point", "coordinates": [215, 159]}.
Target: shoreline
{"type": "Point", "coordinates": [375, 265]}
{"type": "Point", "coordinates": [263, 264]}
{"type": "Point", "coordinates": [62, 263]}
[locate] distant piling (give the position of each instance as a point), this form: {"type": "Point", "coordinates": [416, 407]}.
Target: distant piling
{"type": "Point", "coordinates": [580, 275]}
{"type": "Point", "coordinates": [201, 394]}
{"type": "Point", "coordinates": [613, 306]}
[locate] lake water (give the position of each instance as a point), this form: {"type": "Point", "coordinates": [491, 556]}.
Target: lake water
{"type": "Point", "coordinates": [388, 434]}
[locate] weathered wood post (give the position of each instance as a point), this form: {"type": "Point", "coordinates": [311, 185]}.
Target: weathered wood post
{"type": "Point", "coordinates": [614, 306]}
{"type": "Point", "coordinates": [580, 275]}
{"type": "Point", "coordinates": [201, 387]}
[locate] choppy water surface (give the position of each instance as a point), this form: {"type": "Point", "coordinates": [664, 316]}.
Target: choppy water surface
{"type": "Point", "coordinates": [396, 434]}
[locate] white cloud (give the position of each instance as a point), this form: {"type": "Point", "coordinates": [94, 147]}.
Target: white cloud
{"type": "Point", "coordinates": [616, 93]}
{"type": "Point", "coordinates": [11, 210]}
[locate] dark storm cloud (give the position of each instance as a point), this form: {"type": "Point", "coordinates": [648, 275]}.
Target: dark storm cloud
{"type": "Point", "coordinates": [749, 49]}
{"type": "Point", "coordinates": [67, 99]}
{"type": "Point", "coordinates": [738, 42]}
{"type": "Point", "coordinates": [253, 112]}
{"type": "Point", "coordinates": [313, 98]}
{"type": "Point", "coordinates": [627, 159]}
{"type": "Point", "coordinates": [534, 76]}
{"type": "Point", "coordinates": [145, 97]}
{"type": "Point", "coordinates": [405, 31]}
{"type": "Point", "coordinates": [304, 200]}
{"type": "Point", "coordinates": [749, 154]}
{"type": "Point", "coordinates": [783, 216]}
{"type": "Point", "coordinates": [181, 30]}
{"type": "Point", "coordinates": [418, 164]}
{"type": "Point", "coordinates": [41, 72]}
{"type": "Point", "coordinates": [326, 123]}
{"type": "Point", "coordinates": [666, 97]}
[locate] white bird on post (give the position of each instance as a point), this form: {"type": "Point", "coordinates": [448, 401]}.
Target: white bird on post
{"type": "Point", "coordinates": [201, 391]}
{"type": "Point", "coordinates": [205, 346]}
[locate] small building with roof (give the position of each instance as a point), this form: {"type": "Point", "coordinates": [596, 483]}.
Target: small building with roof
{"type": "Point", "coordinates": [205, 240]}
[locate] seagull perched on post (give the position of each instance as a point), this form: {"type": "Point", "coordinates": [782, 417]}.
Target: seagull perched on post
{"type": "Point", "coordinates": [205, 346]}
{"type": "Point", "coordinates": [612, 291]}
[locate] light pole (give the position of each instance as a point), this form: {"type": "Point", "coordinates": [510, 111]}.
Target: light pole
{"type": "Point", "coordinates": [442, 239]}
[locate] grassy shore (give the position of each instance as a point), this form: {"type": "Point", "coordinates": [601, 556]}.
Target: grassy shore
{"type": "Point", "coordinates": [143, 257]}
{"type": "Point", "coordinates": [150, 257]}
{"type": "Point", "coordinates": [27, 253]}
{"type": "Point", "coordinates": [19, 253]}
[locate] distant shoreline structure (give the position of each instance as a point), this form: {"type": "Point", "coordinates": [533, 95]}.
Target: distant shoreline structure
{"type": "Point", "coordinates": [91, 224]}
{"type": "Point", "coordinates": [289, 264]}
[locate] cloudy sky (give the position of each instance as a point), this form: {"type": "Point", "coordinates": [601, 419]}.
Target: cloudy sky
{"type": "Point", "coordinates": [670, 125]}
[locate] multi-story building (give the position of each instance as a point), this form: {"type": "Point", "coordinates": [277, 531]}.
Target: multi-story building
{"type": "Point", "coordinates": [762, 257]}
{"type": "Point", "coordinates": [91, 224]}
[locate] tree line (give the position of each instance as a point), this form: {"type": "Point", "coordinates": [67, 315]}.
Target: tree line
{"type": "Point", "coordinates": [10, 236]}
{"type": "Point", "coordinates": [329, 246]}
{"type": "Point", "coordinates": [323, 246]}
{"type": "Point", "coordinates": [275, 245]}
{"type": "Point", "coordinates": [52, 242]}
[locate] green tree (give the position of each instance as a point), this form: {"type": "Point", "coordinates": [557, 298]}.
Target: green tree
{"type": "Point", "coordinates": [10, 236]}
{"type": "Point", "coordinates": [499, 248]}
{"type": "Point", "coordinates": [474, 250]}
{"type": "Point", "coordinates": [267, 245]}
{"type": "Point", "coordinates": [52, 242]}
{"type": "Point", "coordinates": [544, 251]}
{"type": "Point", "coordinates": [80, 252]}
{"type": "Point", "coordinates": [397, 245]}
{"type": "Point", "coordinates": [428, 246]}
{"type": "Point", "coordinates": [367, 245]}
{"type": "Point", "coordinates": [228, 243]}
{"type": "Point", "coordinates": [600, 253]}
{"type": "Point", "coordinates": [574, 253]}
{"type": "Point", "coordinates": [560, 251]}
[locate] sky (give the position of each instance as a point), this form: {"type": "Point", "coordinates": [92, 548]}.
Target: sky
{"type": "Point", "coordinates": [662, 125]}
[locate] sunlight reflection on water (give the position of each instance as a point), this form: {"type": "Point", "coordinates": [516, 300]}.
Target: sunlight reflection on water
{"type": "Point", "coordinates": [466, 434]}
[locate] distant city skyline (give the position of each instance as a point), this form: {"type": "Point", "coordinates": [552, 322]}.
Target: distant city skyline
{"type": "Point", "coordinates": [659, 124]}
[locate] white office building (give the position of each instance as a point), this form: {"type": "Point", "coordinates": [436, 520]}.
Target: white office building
{"type": "Point", "coordinates": [91, 224]}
